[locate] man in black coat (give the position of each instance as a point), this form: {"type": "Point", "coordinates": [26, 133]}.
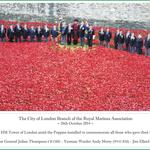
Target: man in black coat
{"type": "Point", "coordinates": [32, 33]}
{"type": "Point", "coordinates": [139, 44]}
{"type": "Point", "coordinates": [18, 32]}
{"type": "Point", "coordinates": [120, 40]}
{"type": "Point", "coordinates": [25, 33]}
{"type": "Point", "coordinates": [116, 39]}
{"type": "Point", "coordinates": [132, 43]}
{"type": "Point", "coordinates": [101, 35]}
{"type": "Point", "coordinates": [11, 34]}
{"type": "Point", "coordinates": [46, 33]}
{"type": "Point", "coordinates": [39, 34]}
{"type": "Point", "coordinates": [127, 40]}
{"type": "Point", "coordinates": [69, 34]}
{"type": "Point", "coordinates": [82, 33]}
{"type": "Point", "coordinates": [108, 36]}
{"type": "Point", "coordinates": [147, 45]}
{"type": "Point", "coordinates": [2, 33]}
{"type": "Point", "coordinates": [90, 36]}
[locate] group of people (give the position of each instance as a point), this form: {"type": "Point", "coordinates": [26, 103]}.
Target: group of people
{"type": "Point", "coordinates": [132, 43]}
{"type": "Point", "coordinates": [18, 33]}
{"type": "Point", "coordinates": [76, 33]}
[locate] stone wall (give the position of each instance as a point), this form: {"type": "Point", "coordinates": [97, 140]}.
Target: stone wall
{"type": "Point", "coordinates": [109, 13]}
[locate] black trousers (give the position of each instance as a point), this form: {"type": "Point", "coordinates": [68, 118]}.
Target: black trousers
{"type": "Point", "coordinates": [69, 39]}
{"type": "Point", "coordinates": [17, 38]}
{"type": "Point", "coordinates": [90, 42]}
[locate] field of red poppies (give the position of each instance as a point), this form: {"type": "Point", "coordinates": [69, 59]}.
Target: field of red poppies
{"type": "Point", "coordinates": [45, 76]}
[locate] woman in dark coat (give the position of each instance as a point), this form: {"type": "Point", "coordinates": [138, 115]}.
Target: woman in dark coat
{"type": "Point", "coordinates": [139, 44]}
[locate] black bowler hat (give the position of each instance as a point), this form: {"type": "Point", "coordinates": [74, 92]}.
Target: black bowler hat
{"type": "Point", "coordinates": [76, 20]}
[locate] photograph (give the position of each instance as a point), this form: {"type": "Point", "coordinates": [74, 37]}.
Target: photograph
{"type": "Point", "coordinates": [74, 56]}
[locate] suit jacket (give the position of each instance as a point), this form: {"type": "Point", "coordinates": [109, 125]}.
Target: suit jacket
{"type": "Point", "coordinates": [32, 33]}
{"type": "Point", "coordinates": [46, 33]}
{"type": "Point", "coordinates": [25, 33]}
{"type": "Point", "coordinates": [10, 33]}
{"type": "Point", "coordinates": [147, 43]}
{"type": "Point", "coordinates": [3, 33]}
{"type": "Point", "coordinates": [18, 31]}
{"type": "Point", "coordinates": [108, 36]}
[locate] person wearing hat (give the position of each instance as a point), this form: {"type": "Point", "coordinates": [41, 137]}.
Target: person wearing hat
{"type": "Point", "coordinates": [75, 32]}
{"type": "Point", "coordinates": [139, 44]}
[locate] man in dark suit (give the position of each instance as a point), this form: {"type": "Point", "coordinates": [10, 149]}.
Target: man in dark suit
{"type": "Point", "coordinates": [127, 40]}
{"type": "Point", "coordinates": [25, 33]}
{"type": "Point", "coordinates": [69, 34]}
{"type": "Point", "coordinates": [101, 35]}
{"type": "Point", "coordinates": [132, 43]}
{"type": "Point", "coordinates": [32, 33]}
{"type": "Point", "coordinates": [147, 45]}
{"type": "Point", "coordinates": [116, 39]}
{"type": "Point", "coordinates": [90, 36]}
{"type": "Point", "coordinates": [108, 36]}
{"type": "Point", "coordinates": [2, 33]}
{"type": "Point", "coordinates": [11, 34]}
{"type": "Point", "coordinates": [39, 34]}
{"type": "Point", "coordinates": [139, 44]}
{"type": "Point", "coordinates": [54, 33]}
{"type": "Point", "coordinates": [18, 32]}
{"type": "Point", "coordinates": [82, 33]}
{"type": "Point", "coordinates": [46, 33]}
{"type": "Point", "coordinates": [120, 40]}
